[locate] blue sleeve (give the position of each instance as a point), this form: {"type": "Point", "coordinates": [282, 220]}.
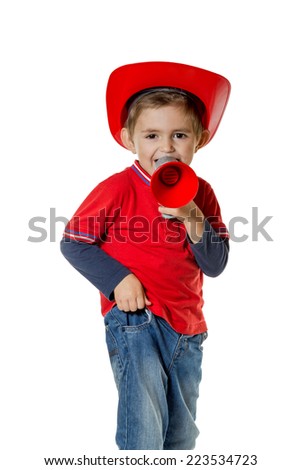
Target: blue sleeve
{"type": "Point", "coordinates": [103, 271]}
{"type": "Point", "coordinates": [211, 252]}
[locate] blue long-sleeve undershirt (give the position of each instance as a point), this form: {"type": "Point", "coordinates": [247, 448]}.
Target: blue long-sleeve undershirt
{"type": "Point", "coordinates": [211, 252]}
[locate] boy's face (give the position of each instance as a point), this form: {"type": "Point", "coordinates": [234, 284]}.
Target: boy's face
{"type": "Point", "coordinates": [166, 131]}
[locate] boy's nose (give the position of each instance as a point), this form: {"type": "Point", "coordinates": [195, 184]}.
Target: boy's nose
{"type": "Point", "coordinates": [167, 146]}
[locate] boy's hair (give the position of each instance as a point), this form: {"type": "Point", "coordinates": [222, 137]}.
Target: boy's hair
{"type": "Point", "coordinates": [155, 99]}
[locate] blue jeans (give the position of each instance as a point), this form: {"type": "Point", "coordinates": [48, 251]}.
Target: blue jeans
{"type": "Point", "coordinates": [157, 372]}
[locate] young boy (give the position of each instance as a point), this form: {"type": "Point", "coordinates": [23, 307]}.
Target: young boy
{"type": "Point", "coordinates": [149, 268]}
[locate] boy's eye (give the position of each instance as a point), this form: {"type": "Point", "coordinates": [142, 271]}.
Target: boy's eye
{"type": "Point", "coordinates": [179, 135]}
{"type": "Point", "coordinates": [151, 136]}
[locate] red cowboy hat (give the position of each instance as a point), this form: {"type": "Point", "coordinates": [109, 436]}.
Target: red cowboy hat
{"type": "Point", "coordinates": [124, 82]}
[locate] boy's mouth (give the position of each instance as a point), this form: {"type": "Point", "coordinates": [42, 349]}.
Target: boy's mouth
{"type": "Point", "coordinates": [166, 156]}
{"type": "Point", "coordinates": [164, 159]}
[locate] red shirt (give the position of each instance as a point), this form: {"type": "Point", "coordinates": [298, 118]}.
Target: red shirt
{"type": "Point", "coordinates": [121, 216]}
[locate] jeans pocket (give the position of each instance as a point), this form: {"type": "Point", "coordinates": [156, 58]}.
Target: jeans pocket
{"type": "Point", "coordinates": [131, 322]}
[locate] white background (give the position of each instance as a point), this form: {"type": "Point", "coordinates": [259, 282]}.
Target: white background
{"type": "Point", "coordinates": [58, 397]}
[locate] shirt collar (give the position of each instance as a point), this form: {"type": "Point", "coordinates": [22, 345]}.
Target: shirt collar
{"type": "Point", "coordinates": [141, 172]}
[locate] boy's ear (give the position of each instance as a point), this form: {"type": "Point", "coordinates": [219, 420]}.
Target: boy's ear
{"type": "Point", "coordinates": [203, 139]}
{"type": "Point", "coordinates": [126, 140]}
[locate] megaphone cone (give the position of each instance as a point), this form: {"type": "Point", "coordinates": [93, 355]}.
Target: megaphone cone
{"type": "Point", "coordinates": [173, 183]}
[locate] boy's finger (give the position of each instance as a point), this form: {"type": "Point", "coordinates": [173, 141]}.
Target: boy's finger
{"type": "Point", "coordinates": [133, 305]}
{"type": "Point", "coordinates": [124, 306]}
{"type": "Point", "coordinates": [140, 303]}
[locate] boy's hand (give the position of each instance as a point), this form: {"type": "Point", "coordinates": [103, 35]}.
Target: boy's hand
{"type": "Point", "coordinates": [192, 217]}
{"type": "Point", "coordinates": [130, 295]}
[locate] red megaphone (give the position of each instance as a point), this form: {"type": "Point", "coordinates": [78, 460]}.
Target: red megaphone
{"type": "Point", "coordinates": [173, 183]}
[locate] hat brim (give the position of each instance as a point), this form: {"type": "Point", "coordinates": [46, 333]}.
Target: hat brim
{"type": "Point", "coordinates": [124, 82]}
